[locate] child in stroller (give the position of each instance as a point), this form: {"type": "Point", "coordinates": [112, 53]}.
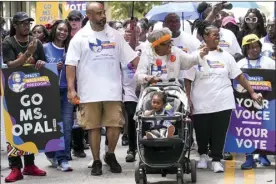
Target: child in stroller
{"type": "Point", "coordinates": [162, 128]}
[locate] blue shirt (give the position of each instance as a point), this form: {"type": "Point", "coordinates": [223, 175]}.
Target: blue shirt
{"type": "Point", "coordinates": [55, 54]}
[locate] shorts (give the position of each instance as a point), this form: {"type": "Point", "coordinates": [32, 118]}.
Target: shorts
{"type": "Point", "coordinates": [95, 115]}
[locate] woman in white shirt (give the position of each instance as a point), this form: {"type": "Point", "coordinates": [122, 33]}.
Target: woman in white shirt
{"type": "Point", "coordinates": [210, 93]}
{"type": "Point", "coordinates": [165, 61]}
{"type": "Point", "coordinates": [252, 50]}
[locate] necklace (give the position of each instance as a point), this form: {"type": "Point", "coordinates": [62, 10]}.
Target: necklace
{"type": "Point", "coordinates": [20, 44]}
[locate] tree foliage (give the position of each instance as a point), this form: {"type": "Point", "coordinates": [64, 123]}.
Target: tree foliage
{"type": "Point", "coordinates": [122, 10]}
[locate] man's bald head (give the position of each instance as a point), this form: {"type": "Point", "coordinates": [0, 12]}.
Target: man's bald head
{"type": "Point", "coordinates": [96, 14]}
{"type": "Point", "coordinates": [172, 21]}
{"type": "Point", "coordinates": [93, 6]}
{"type": "Point", "coordinates": [171, 15]}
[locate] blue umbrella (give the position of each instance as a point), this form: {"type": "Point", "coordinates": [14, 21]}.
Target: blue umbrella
{"type": "Point", "coordinates": [186, 10]}
{"type": "Point", "coordinates": [248, 4]}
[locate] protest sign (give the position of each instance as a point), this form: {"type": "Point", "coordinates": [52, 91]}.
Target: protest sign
{"type": "Point", "coordinates": [32, 114]}
{"type": "Point", "coordinates": [46, 12]}
{"type": "Point", "coordinates": [252, 126]}
{"type": "Point", "coordinates": [68, 6]}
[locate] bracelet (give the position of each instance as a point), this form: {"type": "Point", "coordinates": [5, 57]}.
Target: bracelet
{"type": "Point", "coordinates": [27, 55]}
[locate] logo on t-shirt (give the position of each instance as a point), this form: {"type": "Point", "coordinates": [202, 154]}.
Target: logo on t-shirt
{"type": "Point", "coordinates": [184, 49]}
{"type": "Point", "coordinates": [130, 70]}
{"type": "Point", "coordinates": [268, 53]}
{"type": "Point", "coordinates": [215, 64]}
{"type": "Point", "coordinates": [223, 43]}
{"type": "Point", "coordinates": [100, 45]}
{"type": "Point", "coordinates": [256, 82]}
{"type": "Point", "coordinates": [19, 81]}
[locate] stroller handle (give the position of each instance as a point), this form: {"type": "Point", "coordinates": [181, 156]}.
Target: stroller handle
{"type": "Point", "coordinates": [161, 117]}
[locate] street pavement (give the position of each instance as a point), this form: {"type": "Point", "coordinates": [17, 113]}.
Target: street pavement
{"type": "Point", "coordinates": [81, 174]}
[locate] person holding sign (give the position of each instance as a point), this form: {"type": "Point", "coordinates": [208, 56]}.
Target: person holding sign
{"type": "Point", "coordinates": [55, 52]}
{"type": "Point", "coordinates": [252, 48]}
{"type": "Point", "coordinates": [211, 97]}
{"type": "Point", "coordinates": [18, 50]}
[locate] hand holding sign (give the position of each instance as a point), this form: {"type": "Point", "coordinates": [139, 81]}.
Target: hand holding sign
{"type": "Point", "coordinates": [257, 97]}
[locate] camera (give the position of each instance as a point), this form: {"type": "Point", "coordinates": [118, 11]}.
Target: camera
{"type": "Point", "coordinates": [225, 5]}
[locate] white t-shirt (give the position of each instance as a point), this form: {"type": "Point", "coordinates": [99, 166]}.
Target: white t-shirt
{"type": "Point", "coordinates": [97, 57]}
{"type": "Point", "coordinates": [212, 89]}
{"type": "Point", "coordinates": [167, 69]}
{"type": "Point", "coordinates": [267, 48]}
{"type": "Point", "coordinates": [129, 83]}
{"type": "Point", "coordinates": [228, 41]}
{"type": "Point", "coordinates": [265, 63]}
{"type": "Point", "coordinates": [187, 43]}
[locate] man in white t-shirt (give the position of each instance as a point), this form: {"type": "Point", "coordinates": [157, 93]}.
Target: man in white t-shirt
{"type": "Point", "coordinates": [180, 39]}
{"type": "Point", "coordinates": [94, 57]}
{"type": "Point", "coordinates": [269, 41]}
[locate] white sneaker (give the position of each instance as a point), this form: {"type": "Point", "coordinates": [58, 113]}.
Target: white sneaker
{"type": "Point", "coordinates": [203, 162]}
{"type": "Point", "coordinates": [65, 167]}
{"type": "Point", "coordinates": [217, 167]}
{"type": "Point", "coordinates": [90, 164]}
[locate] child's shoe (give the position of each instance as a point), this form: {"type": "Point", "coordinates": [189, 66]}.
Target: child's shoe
{"type": "Point", "coordinates": [249, 163]}
{"type": "Point", "coordinates": [263, 160]}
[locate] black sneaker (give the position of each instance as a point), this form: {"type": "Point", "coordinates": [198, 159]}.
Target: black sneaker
{"type": "Point", "coordinates": [110, 160]}
{"type": "Point", "coordinates": [124, 140]}
{"type": "Point", "coordinates": [79, 154]}
{"type": "Point", "coordinates": [96, 168]}
{"type": "Point", "coordinates": [130, 156]}
{"type": "Point", "coordinates": [227, 156]}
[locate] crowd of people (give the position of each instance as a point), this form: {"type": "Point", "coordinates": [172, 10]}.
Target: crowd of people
{"type": "Point", "coordinates": [126, 56]}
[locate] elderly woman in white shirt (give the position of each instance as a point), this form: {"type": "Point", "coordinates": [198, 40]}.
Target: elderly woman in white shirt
{"type": "Point", "coordinates": [165, 61]}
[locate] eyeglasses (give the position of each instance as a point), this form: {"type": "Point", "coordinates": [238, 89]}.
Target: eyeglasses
{"type": "Point", "coordinates": [251, 20]}
{"type": "Point", "coordinates": [74, 19]}
{"type": "Point", "coordinates": [25, 24]}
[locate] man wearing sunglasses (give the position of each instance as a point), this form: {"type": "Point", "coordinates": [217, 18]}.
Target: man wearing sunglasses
{"type": "Point", "coordinates": [78, 143]}
{"type": "Point", "coordinates": [75, 17]}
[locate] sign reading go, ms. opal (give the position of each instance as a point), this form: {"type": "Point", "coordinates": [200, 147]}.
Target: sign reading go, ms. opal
{"type": "Point", "coordinates": [252, 125]}
{"type": "Point", "coordinates": [32, 111]}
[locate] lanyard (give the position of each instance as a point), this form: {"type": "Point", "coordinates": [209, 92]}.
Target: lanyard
{"type": "Point", "coordinates": [257, 64]}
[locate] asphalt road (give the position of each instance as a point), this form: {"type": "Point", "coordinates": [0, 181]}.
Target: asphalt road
{"type": "Point", "coordinates": [81, 174]}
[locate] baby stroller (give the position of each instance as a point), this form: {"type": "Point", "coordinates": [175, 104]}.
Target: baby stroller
{"type": "Point", "coordinates": [167, 155]}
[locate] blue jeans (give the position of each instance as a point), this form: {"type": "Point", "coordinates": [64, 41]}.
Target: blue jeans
{"type": "Point", "coordinates": [67, 119]}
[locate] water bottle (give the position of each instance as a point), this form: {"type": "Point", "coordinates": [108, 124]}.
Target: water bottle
{"type": "Point", "coordinates": [169, 109]}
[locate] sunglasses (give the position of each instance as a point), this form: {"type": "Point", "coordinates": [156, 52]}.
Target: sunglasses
{"type": "Point", "coordinates": [74, 19]}
{"type": "Point", "coordinates": [251, 20]}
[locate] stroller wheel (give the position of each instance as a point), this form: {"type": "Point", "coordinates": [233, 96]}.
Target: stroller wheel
{"type": "Point", "coordinates": [140, 174]}
{"type": "Point", "coordinates": [180, 180]}
{"type": "Point", "coordinates": [179, 176]}
{"type": "Point", "coordinates": [193, 171]}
